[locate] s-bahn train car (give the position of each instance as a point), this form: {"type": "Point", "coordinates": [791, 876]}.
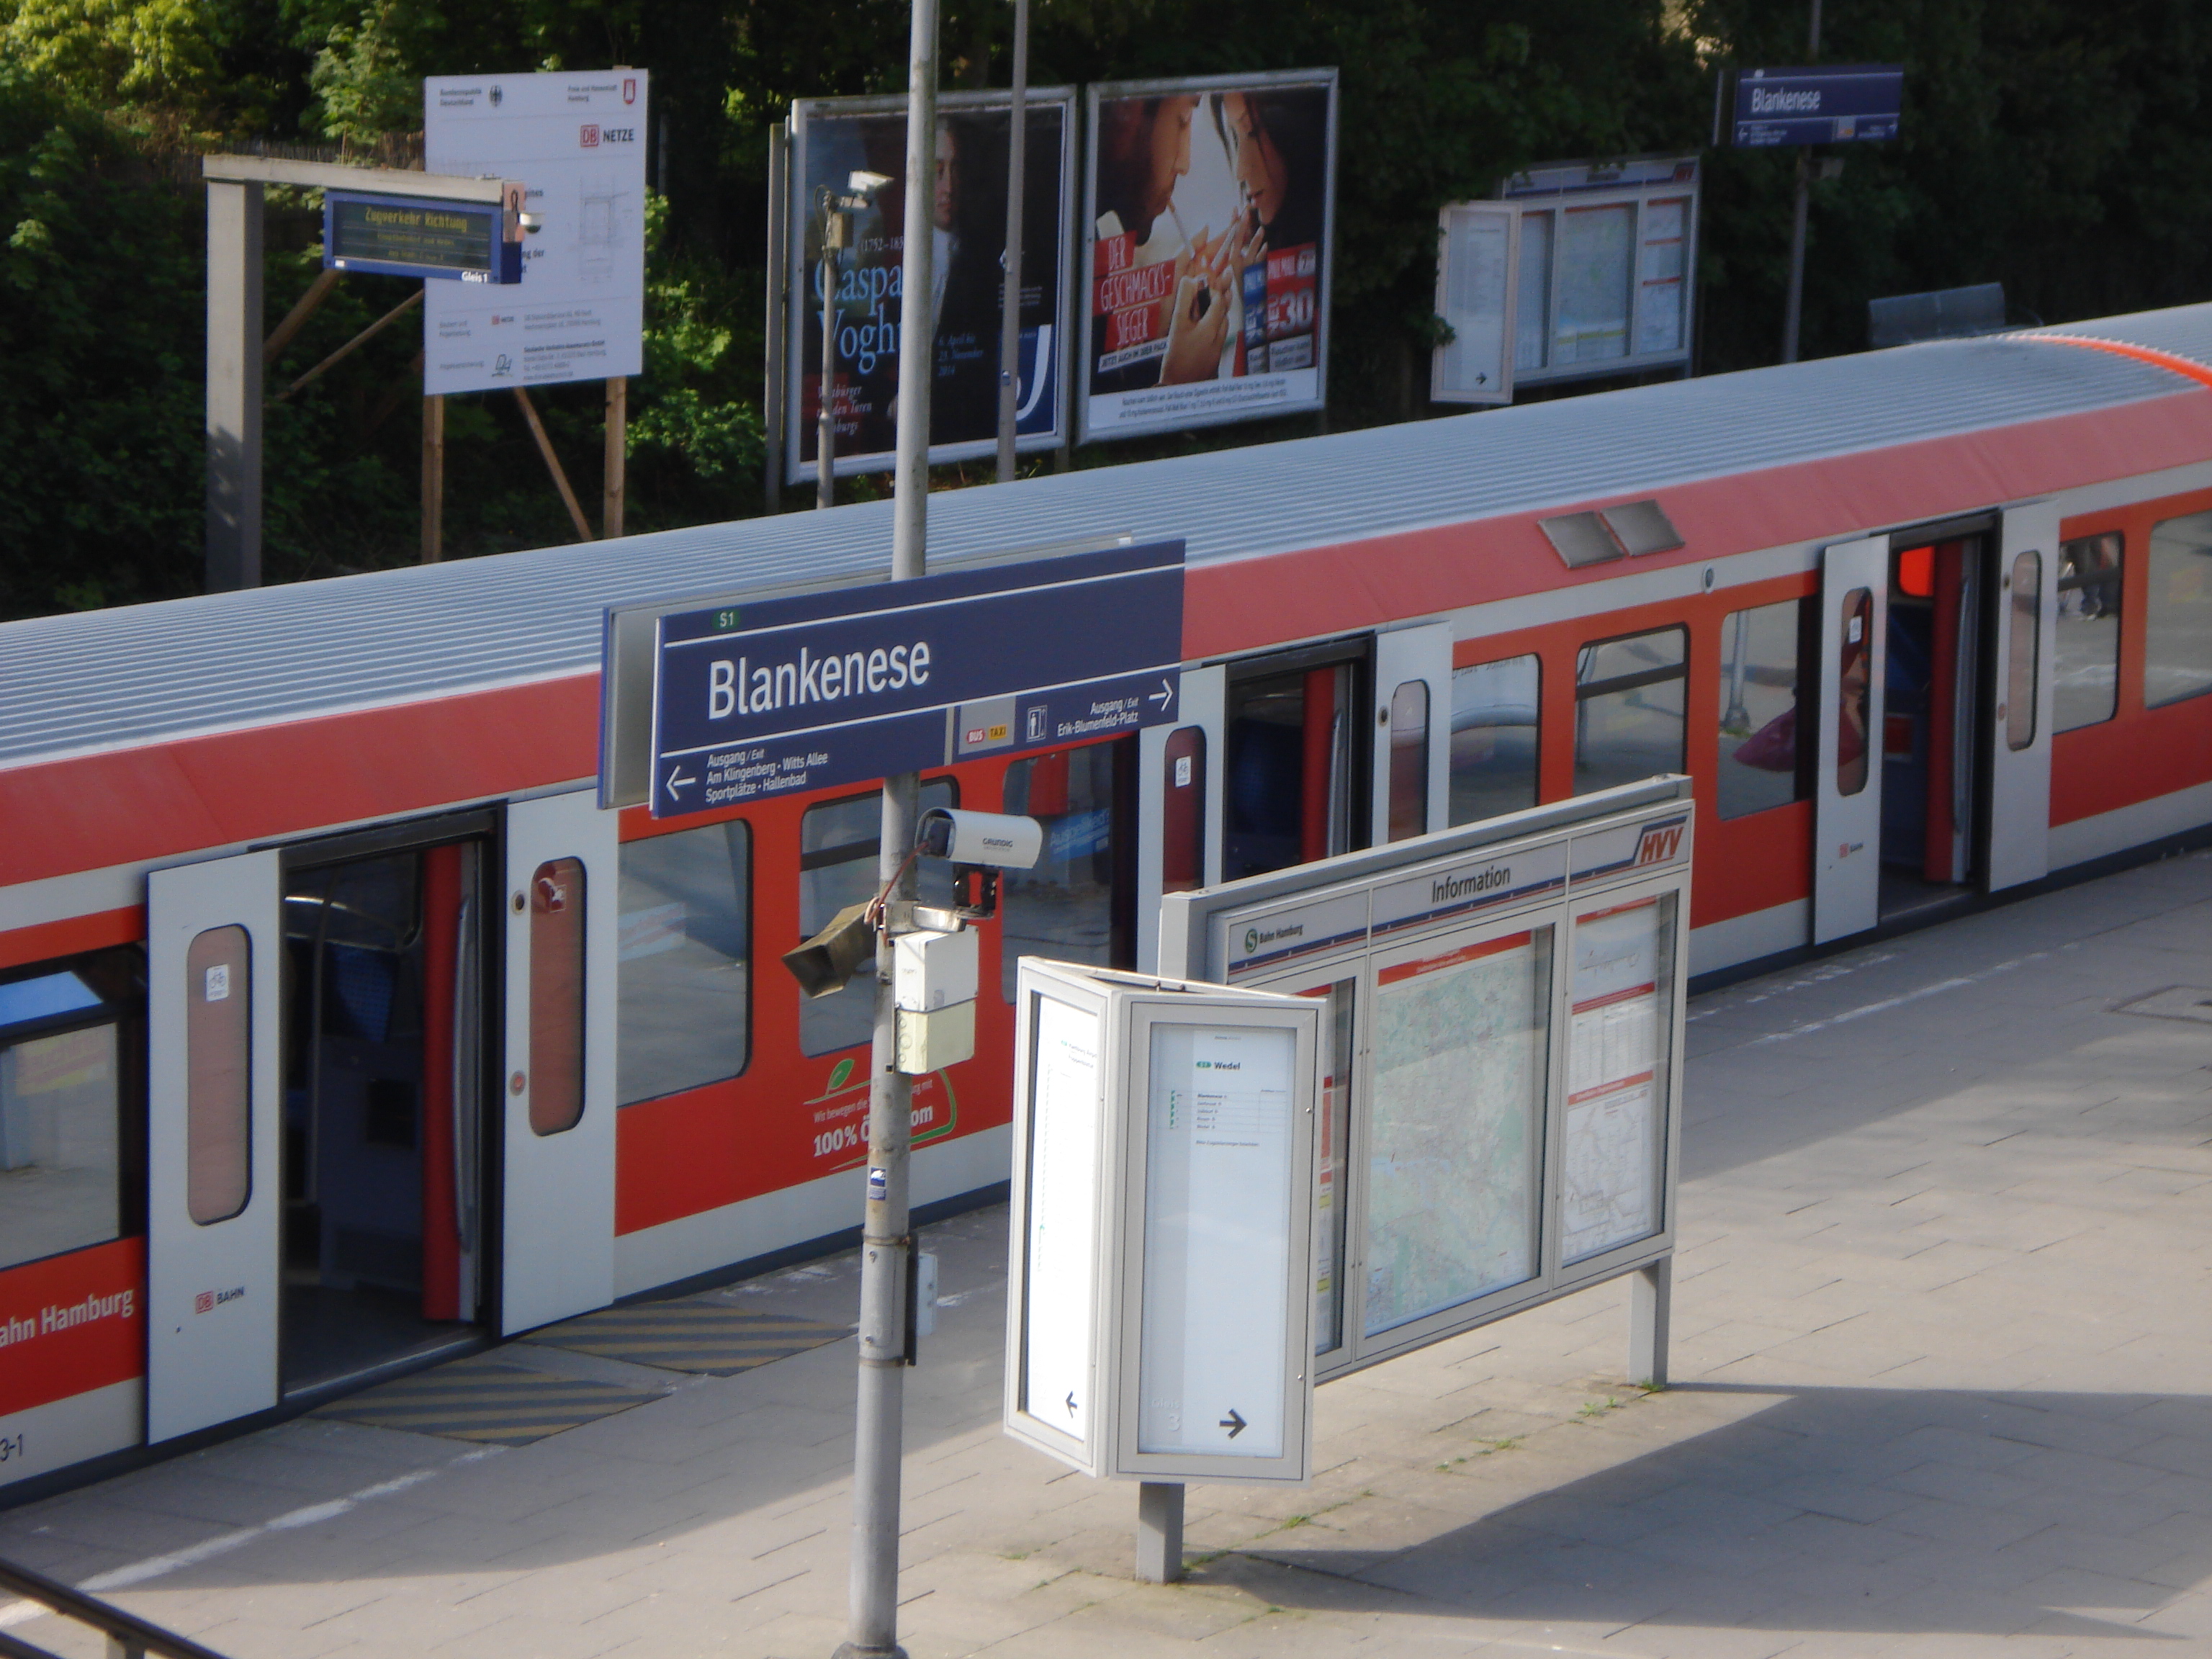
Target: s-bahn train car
{"type": "Point", "coordinates": [339, 1027]}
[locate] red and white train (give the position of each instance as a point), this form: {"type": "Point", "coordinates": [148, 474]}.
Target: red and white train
{"type": "Point", "coordinates": [339, 1027]}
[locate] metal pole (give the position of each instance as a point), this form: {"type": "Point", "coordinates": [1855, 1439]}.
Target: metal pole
{"type": "Point", "coordinates": [1793, 306]}
{"type": "Point", "coordinates": [233, 385]}
{"type": "Point", "coordinates": [825, 418]}
{"type": "Point", "coordinates": [1010, 324]}
{"type": "Point", "coordinates": [778, 277]}
{"type": "Point", "coordinates": [885, 1245]}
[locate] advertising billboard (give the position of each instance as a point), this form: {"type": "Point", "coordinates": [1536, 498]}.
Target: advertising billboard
{"type": "Point", "coordinates": [1209, 213]}
{"type": "Point", "coordinates": [833, 138]}
{"type": "Point", "coordinates": [578, 141]}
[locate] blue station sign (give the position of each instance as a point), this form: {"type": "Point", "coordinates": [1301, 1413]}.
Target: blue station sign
{"type": "Point", "coordinates": [755, 700]}
{"type": "Point", "coordinates": [1826, 105]}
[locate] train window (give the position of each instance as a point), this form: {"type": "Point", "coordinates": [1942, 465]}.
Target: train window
{"type": "Point", "coordinates": [1182, 817]}
{"type": "Point", "coordinates": [1062, 907]}
{"type": "Point", "coordinates": [1493, 737]}
{"type": "Point", "coordinates": [2023, 616]}
{"type": "Point", "coordinates": [1853, 694]}
{"type": "Point", "coordinates": [2177, 612]}
{"type": "Point", "coordinates": [2086, 679]}
{"type": "Point", "coordinates": [1288, 792]}
{"type": "Point", "coordinates": [218, 1075]}
{"type": "Point", "coordinates": [1629, 706]}
{"type": "Point", "coordinates": [837, 843]}
{"type": "Point", "coordinates": [684, 961]}
{"type": "Point", "coordinates": [1409, 760]}
{"type": "Point", "coordinates": [66, 1173]}
{"type": "Point", "coordinates": [557, 996]}
{"type": "Point", "coordinates": [1759, 748]}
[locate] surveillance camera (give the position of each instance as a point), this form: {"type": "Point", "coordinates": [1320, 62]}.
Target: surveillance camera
{"type": "Point", "coordinates": [532, 223]}
{"type": "Point", "coordinates": [991, 838]}
{"type": "Point", "coordinates": [862, 182]}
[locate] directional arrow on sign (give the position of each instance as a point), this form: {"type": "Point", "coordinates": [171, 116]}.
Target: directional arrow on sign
{"type": "Point", "coordinates": [1233, 1423]}
{"type": "Point", "coordinates": [677, 783]}
{"type": "Point", "coordinates": [1164, 696]}
{"type": "Point", "coordinates": [1071, 1402]}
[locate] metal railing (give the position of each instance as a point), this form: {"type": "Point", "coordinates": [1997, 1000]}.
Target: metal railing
{"type": "Point", "coordinates": [128, 1637]}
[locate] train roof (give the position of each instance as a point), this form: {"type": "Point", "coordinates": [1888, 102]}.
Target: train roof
{"type": "Point", "coordinates": [111, 679]}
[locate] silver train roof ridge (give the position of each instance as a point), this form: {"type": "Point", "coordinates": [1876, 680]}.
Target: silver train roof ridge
{"type": "Point", "coordinates": [109, 679]}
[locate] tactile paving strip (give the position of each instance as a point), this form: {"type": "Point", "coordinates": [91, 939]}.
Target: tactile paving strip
{"type": "Point", "coordinates": [711, 1338]}
{"type": "Point", "coordinates": [485, 1402]}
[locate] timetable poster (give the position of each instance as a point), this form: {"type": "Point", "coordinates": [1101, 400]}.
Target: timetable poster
{"type": "Point", "coordinates": [1210, 210]}
{"type": "Point", "coordinates": [1616, 1078]}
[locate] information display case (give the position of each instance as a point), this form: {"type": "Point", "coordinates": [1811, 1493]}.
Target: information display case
{"type": "Point", "coordinates": [1501, 1026]}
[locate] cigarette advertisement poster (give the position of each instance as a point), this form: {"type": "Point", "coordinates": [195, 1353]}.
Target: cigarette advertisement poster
{"type": "Point", "coordinates": [862, 284]}
{"type": "Point", "coordinates": [577, 142]}
{"type": "Point", "coordinates": [1209, 217]}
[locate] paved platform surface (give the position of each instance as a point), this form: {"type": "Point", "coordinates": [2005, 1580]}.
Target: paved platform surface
{"type": "Point", "coordinates": [1942, 1344]}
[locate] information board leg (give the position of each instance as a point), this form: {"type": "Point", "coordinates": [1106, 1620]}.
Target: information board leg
{"type": "Point", "coordinates": [1651, 1297]}
{"type": "Point", "coordinates": [1159, 1531]}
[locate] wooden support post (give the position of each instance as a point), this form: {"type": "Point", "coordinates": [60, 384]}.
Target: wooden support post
{"type": "Point", "coordinates": [297, 318]}
{"type": "Point", "coordinates": [350, 347]}
{"type": "Point", "coordinates": [611, 506]}
{"type": "Point", "coordinates": [434, 479]}
{"type": "Point", "coordinates": [553, 465]}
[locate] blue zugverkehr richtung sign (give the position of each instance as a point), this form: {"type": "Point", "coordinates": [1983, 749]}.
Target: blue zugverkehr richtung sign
{"type": "Point", "coordinates": [1833, 105]}
{"type": "Point", "coordinates": [806, 692]}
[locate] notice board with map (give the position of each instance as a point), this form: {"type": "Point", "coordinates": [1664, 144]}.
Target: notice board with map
{"type": "Point", "coordinates": [1502, 1055]}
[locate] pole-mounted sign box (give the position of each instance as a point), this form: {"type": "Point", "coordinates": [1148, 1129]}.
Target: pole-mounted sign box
{"type": "Point", "coordinates": [1833, 105]}
{"type": "Point", "coordinates": [1159, 1327]}
{"type": "Point", "coordinates": [411, 236]}
{"type": "Point", "coordinates": [753, 698]}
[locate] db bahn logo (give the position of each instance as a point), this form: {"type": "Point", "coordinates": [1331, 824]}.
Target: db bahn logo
{"type": "Point", "coordinates": [1661, 843]}
{"type": "Point", "coordinates": [589, 135]}
{"type": "Point", "coordinates": [209, 1301]}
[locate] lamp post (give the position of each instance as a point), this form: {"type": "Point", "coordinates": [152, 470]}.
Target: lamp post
{"type": "Point", "coordinates": [836, 223]}
{"type": "Point", "coordinates": [1010, 321]}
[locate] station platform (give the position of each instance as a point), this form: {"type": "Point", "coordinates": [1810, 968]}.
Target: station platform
{"type": "Point", "coordinates": [1941, 1345]}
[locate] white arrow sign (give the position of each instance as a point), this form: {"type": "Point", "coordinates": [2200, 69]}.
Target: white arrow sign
{"type": "Point", "coordinates": [677, 783]}
{"type": "Point", "coordinates": [1164, 696]}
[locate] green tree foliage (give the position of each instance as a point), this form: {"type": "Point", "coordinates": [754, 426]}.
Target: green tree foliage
{"type": "Point", "coordinates": [2058, 145]}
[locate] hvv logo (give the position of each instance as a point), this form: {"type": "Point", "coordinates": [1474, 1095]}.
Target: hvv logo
{"type": "Point", "coordinates": [1661, 843]}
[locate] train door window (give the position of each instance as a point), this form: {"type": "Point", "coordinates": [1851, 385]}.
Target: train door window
{"type": "Point", "coordinates": [1760, 757]}
{"type": "Point", "coordinates": [1290, 787]}
{"type": "Point", "coordinates": [683, 960]}
{"type": "Point", "coordinates": [2085, 677]}
{"type": "Point", "coordinates": [1182, 816]}
{"type": "Point", "coordinates": [70, 1170]}
{"type": "Point", "coordinates": [218, 1096]}
{"type": "Point", "coordinates": [557, 996]}
{"type": "Point", "coordinates": [1071, 905]}
{"type": "Point", "coordinates": [1629, 708]}
{"type": "Point", "coordinates": [837, 846]}
{"type": "Point", "coordinates": [1409, 760]}
{"type": "Point", "coordinates": [2178, 615]}
{"type": "Point", "coordinates": [2023, 612]}
{"type": "Point", "coordinates": [1854, 699]}
{"type": "Point", "coordinates": [1493, 737]}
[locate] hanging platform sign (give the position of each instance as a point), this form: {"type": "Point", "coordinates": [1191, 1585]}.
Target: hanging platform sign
{"type": "Point", "coordinates": [1833, 105]}
{"type": "Point", "coordinates": [411, 236]}
{"type": "Point", "coordinates": [753, 697]}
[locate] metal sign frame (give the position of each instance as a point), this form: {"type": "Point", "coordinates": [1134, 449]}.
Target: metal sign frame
{"type": "Point", "coordinates": [1802, 94]}
{"type": "Point", "coordinates": [1124, 1011]}
{"type": "Point", "coordinates": [1549, 868]}
{"type": "Point", "coordinates": [501, 261]}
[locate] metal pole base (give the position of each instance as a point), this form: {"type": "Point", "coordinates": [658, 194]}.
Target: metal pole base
{"type": "Point", "coordinates": [850, 1650]}
{"type": "Point", "coordinates": [1650, 1304]}
{"type": "Point", "coordinates": [1159, 1531]}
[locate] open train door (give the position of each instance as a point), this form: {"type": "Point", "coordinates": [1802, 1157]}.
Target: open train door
{"type": "Point", "coordinates": [1411, 731]}
{"type": "Point", "coordinates": [557, 1140]}
{"type": "Point", "coordinates": [1854, 657]}
{"type": "Point", "coordinates": [214, 965]}
{"type": "Point", "coordinates": [2026, 636]}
